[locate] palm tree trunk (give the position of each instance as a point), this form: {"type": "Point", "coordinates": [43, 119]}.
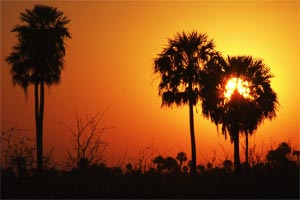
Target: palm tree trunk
{"type": "Point", "coordinates": [41, 119]}
{"type": "Point", "coordinates": [37, 127]}
{"type": "Point", "coordinates": [247, 158]}
{"type": "Point", "coordinates": [237, 163]}
{"type": "Point", "coordinates": [193, 143]}
{"type": "Point", "coordinates": [39, 113]}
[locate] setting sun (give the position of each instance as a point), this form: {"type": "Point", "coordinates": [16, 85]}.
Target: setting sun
{"type": "Point", "coordinates": [237, 84]}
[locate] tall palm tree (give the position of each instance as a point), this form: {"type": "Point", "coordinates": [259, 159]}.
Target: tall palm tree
{"type": "Point", "coordinates": [240, 113]}
{"type": "Point", "coordinates": [37, 58]}
{"type": "Point", "coordinates": [179, 66]}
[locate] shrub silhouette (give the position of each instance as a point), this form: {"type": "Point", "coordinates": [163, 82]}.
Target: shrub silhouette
{"type": "Point", "coordinates": [278, 158]}
{"type": "Point", "coordinates": [181, 157]}
{"type": "Point", "coordinates": [159, 161]}
{"type": "Point", "coordinates": [101, 181]}
{"type": "Point", "coordinates": [227, 165]}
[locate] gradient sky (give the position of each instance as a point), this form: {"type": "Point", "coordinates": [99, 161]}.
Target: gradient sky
{"type": "Point", "coordinates": [109, 63]}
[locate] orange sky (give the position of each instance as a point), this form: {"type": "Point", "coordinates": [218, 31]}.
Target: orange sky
{"type": "Point", "coordinates": [109, 64]}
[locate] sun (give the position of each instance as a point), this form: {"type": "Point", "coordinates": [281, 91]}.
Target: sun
{"type": "Point", "coordinates": [237, 84]}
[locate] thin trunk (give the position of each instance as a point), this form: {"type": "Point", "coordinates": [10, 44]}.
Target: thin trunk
{"type": "Point", "coordinates": [37, 128]}
{"type": "Point", "coordinates": [247, 159]}
{"type": "Point", "coordinates": [237, 163]}
{"type": "Point", "coordinates": [192, 132]}
{"type": "Point", "coordinates": [41, 119]}
{"type": "Point", "coordinates": [193, 143]}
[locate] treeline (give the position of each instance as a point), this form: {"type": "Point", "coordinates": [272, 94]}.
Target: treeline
{"type": "Point", "coordinates": [167, 176]}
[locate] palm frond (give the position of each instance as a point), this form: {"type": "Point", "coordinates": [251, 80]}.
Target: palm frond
{"type": "Point", "coordinates": [179, 67]}
{"type": "Point", "coordinates": [39, 54]}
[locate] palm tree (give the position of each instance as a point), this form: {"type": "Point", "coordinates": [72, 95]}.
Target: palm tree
{"type": "Point", "coordinates": [38, 58]}
{"type": "Point", "coordinates": [181, 157]}
{"type": "Point", "coordinates": [232, 121]}
{"type": "Point", "coordinates": [179, 66]}
{"type": "Point", "coordinates": [241, 113]}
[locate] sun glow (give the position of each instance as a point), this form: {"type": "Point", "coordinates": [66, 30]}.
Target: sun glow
{"type": "Point", "coordinates": [237, 84]}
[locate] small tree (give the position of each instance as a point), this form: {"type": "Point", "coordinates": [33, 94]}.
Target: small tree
{"type": "Point", "coordinates": [17, 153]}
{"type": "Point", "coordinates": [279, 156]}
{"type": "Point", "coordinates": [87, 143]}
{"type": "Point", "coordinates": [181, 157]}
{"type": "Point", "coordinates": [129, 168]}
{"type": "Point", "coordinates": [171, 165]}
{"type": "Point", "coordinates": [227, 165]}
{"type": "Point", "coordinates": [297, 154]}
{"type": "Point", "coordinates": [159, 161]}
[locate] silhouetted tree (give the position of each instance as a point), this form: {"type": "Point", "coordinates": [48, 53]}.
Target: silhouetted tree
{"type": "Point", "coordinates": [83, 163]}
{"type": "Point", "coordinates": [171, 165]}
{"type": "Point", "coordinates": [232, 122]}
{"type": "Point", "coordinates": [38, 58]}
{"type": "Point", "coordinates": [279, 156]}
{"type": "Point", "coordinates": [200, 168]}
{"type": "Point", "coordinates": [227, 164]}
{"type": "Point", "coordinates": [129, 168]}
{"type": "Point", "coordinates": [17, 151]}
{"type": "Point", "coordinates": [159, 161]}
{"type": "Point", "coordinates": [297, 154]}
{"type": "Point", "coordinates": [87, 143]}
{"type": "Point", "coordinates": [179, 65]}
{"type": "Point", "coordinates": [239, 113]}
{"type": "Point", "coordinates": [181, 157]}
{"type": "Point", "coordinates": [209, 166]}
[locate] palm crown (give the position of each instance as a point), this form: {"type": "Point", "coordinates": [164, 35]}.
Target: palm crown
{"type": "Point", "coordinates": [38, 56]}
{"type": "Point", "coordinates": [180, 64]}
{"type": "Point", "coordinates": [239, 113]}
{"type": "Point", "coordinates": [262, 102]}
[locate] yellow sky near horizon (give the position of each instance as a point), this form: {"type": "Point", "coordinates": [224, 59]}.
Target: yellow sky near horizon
{"type": "Point", "coordinates": [109, 63]}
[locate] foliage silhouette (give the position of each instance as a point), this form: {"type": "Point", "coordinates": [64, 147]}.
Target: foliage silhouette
{"type": "Point", "coordinates": [297, 154]}
{"type": "Point", "coordinates": [129, 168]}
{"type": "Point", "coordinates": [227, 164]}
{"type": "Point", "coordinates": [181, 157]}
{"type": "Point", "coordinates": [18, 153]}
{"type": "Point", "coordinates": [38, 58]}
{"type": "Point", "coordinates": [179, 66]}
{"type": "Point", "coordinates": [239, 114]}
{"type": "Point", "coordinates": [279, 156]}
{"type": "Point", "coordinates": [17, 150]}
{"type": "Point", "coordinates": [159, 161]}
{"type": "Point", "coordinates": [171, 165]}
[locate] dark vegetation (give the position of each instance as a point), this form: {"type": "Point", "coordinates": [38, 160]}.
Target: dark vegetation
{"type": "Point", "coordinates": [274, 176]}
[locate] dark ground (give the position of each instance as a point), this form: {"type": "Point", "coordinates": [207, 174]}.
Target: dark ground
{"type": "Point", "coordinates": [100, 182]}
